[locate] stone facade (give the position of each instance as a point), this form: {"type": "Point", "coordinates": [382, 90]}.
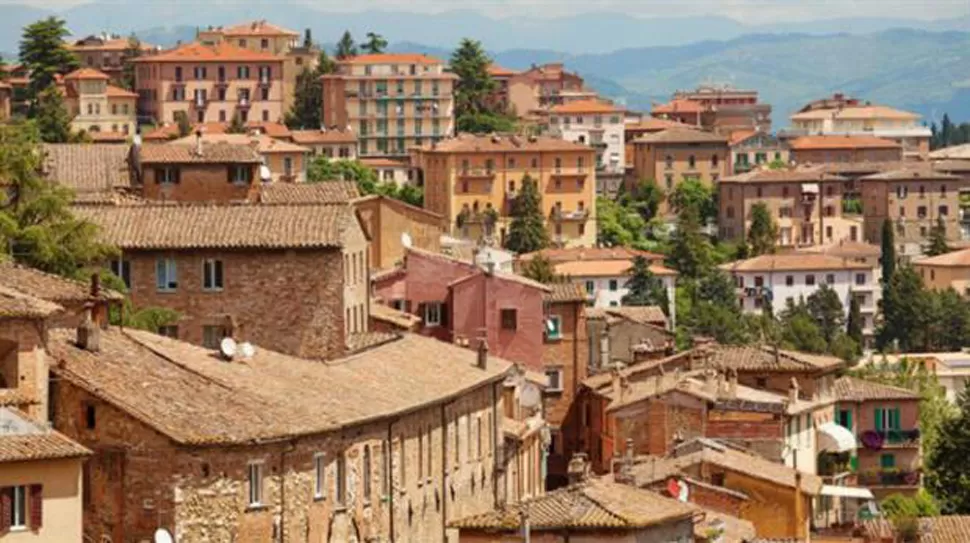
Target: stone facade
{"type": "Point", "coordinates": [23, 366]}
{"type": "Point", "coordinates": [207, 182]}
{"type": "Point", "coordinates": [386, 220]}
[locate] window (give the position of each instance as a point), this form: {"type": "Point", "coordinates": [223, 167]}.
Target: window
{"type": "Point", "coordinates": [166, 275]}
{"type": "Point", "coordinates": [614, 285]}
{"type": "Point", "coordinates": [167, 176]}
{"type": "Point", "coordinates": [860, 279]}
{"type": "Point", "coordinates": [319, 475]}
{"type": "Point", "coordinates": [242, 72]}
{"type": "Point", "coordinates": [759, 281]}
{"type": "Point", "coordinates": [554, 379]}
{"type": "Point", "coordinates": [590, 288]}
{"type": "Point", "coordinates": [200, 72]}
{"type": "Point", "coordinates": [902, 191]}
{"type": "Point", "coordinates": [944, 211]}
{"type": "Point", "coordinates": [341, 479]}
{"type": "Point", "coordinates": [887, 461]}
{"type": "Point", "coordinates": [367, 472]}
{"type": "Point", "coordinates": [240, 174]}
{"type": "Point", "coordinates": [509, 319]}
{"type": "Point", "coordinates": [264, 44]}
{"type": "Point", "coordinates": [122, 270]}
{"type": "Point", "coordinates": [287, 166]}
{"type": "Point", "coordinates": [211, 274]}
{"type": "Point", "coordinates": [432, 314]}
{"type": "Point", "coordinates": [761, 382]}
{"type": "Point", "coordinates": [691, 162]}
{"type": "Point", "coordinates": [844, 418]}
{"type": "Point", "coordinates": [90, 416]}
{"type": "Point", "coordinates": [886, 419]}
{"type": "Point", "coordinates": [554, 327]}
{"type": "Point", "coordinates": [714, 160]}
{"type": "Point", "coordinates": [16, 498]}
{"type": "Point", "coordinates": [921, 212]}
{"type": "Point", "coordinates": [255, 484]}
{"type": "Point", "coordinates": [212, 336]}
{"type": "Point", "coordinates": [810, 280]}
{"type": "Point", "coordinates": [789, 280]}
{"type": "Point", "coordinates": [830, 279]}
{"type": "Point", "coordinates": [169, 330]}
{"type": "Point", "coordinates": [385, 470]}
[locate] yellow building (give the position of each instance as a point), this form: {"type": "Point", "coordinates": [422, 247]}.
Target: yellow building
{"type": "Point", "coordinates": [392, 101]}
{"type": "Point", "coordinates": [673, 156]}
{"type": "Point", "coordinates": [945, 271]}
{"type": "Point", "coordinates": [104, 111]}
{"type": "Point", "coordinates": [264, 37]}
{"type": "Point", "coordinates": [472, 180]}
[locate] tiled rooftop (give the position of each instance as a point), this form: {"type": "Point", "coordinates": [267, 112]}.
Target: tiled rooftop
{"type": "Point", "coordinates": [328, 192]}
{"type": "Point", "coordinates": [469, 143]}
{"type": "Point", "coordinates": [566, 292]}
{"type": "Point", "coordinates": [15, 304]}
{"type": "Point", "coordinates": [46, 286]}
{"type": "Point", "coordinates": [808, 143]}
{"type": "Point", "coordinates": [682, 135]}
{"type": "Point", "coordinates": [22, 440]}
{"type": "Point", "coordinates": [84, 167]}
{"type": "Point", "coordinates": [212, 153]}
{"type": "Point", "coordinates": [851, 389]}
{"type": "Point", "coordinates": [942, 529]}
{"type": "Point", "coordinates": [199, 52]}
{"type": "Point", "coordinates": [793, 262]}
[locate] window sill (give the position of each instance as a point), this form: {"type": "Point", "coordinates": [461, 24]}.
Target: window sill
{"type": "Point", "coordinates": [554, 391]}
{"type": "Point", "coordinates": [212, 290]}
{"type": "Point", "coordinates": [317, 498]}
{"type": "Point", "coordinates": [340, 508]}
{"type": "Point", "coordinates": [166, 291]}
{"type": "Point", "coordinates": [253, 507]}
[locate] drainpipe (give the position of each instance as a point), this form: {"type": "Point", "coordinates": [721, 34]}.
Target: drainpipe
{"type": "Point", "coordinates": [444, 473]}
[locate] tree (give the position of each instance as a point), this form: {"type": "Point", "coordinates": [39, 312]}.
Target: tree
{"type": "Point", "coordinates": [825, 307]}
{"type": "Point", "coordinates": [690, 253]}
{"type": "Point", "coordinates": [918, 505]}
{"type": "Point", "coordinates": [52, 117]}
{"type": "Point", "coordinates": [43, 54]}
{"type": "Point", "coordinates": [695, 194]}
{"type": "Point", "coordinates": [907, 311]}
{"type": "Point", "coordinates": [527, 232]}
{"type": "Point", "coordinates": [645, 198]}
{"type": "Point", "coordinates": [540, 269]}
{"type": "Point", "coordinates": [938, 244]}
{"type": "Point", "coordinates": [183, 123]}
{"type": "Point", "coordinates": [800, 331]}
{"type": "Point", "coordinates": [474, 111]}
{"type": "Point", "coordinates": [644, 287]}
{"type": "Point", "coordinates": [888, 255]}
{"type": "Point", "coordinates": [617, 226]}
{"type": "Point", "coordinates": [236, 125]}
{"type": "Point", "coordinates": [325, 64]}
{"type": "Point", "coordinates": [855, 322]}
{"type": "Point", "coordinates": [346, 47]}
{"type": "Point", "coordinates": [948, 463]}
{"type": "Point", "coordinates": [307, 109]}
{"type": "Point", "coordinates": [36, 222]}
{"type": "Point", "coordinates": [485, 123]}
{"type": "Point", "coordinates": [375, 45]}
{"type": "Point", "coordinates": [323, 169]}
{"type": "Point", "coordinates": [132, 51]}
{"type": "Point", "coordinates": [763, 231]}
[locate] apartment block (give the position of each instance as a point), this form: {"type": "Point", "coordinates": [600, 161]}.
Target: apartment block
{"type": "Point", "coordinates": [721, 109]}
{"type": "Point", "coordinates": [264, 37]}
{"type": "Point", "coordinates": [533, 91]}
{"type": "Point", "coordinates": [106, 54]}
{"type": "Point", "coordinates": [841, 115]}
{"type": "Point", "coordinates": [805, 204]}
{"type": "Point", "coordinates": [673, 156]}
{"type": "Point", "coordinates": [595, 123]}
{"type": "Point", "coordinates": [211, 83]}
{"type": "Point", "coordinates": [753, 149]}
{"type": "Point", "coordinates": [914, 198]}
{"type": "Point", "coordinates": [392, 101]}
{"type": "Point", "coordinates": [472, 180]}
{"type": "Point", "coordinates": [102, 110]}
{"type": "Point", "coordinates": [838, 148]}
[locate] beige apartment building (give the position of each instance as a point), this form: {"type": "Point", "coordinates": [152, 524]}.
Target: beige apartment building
{"type": "Point", "coordinates": [542, 87]}
{"type": "Point", "coordinates": [673, 156]}
{"type": "Point", "coordinates": [805, 204]}
{"type": "Point", "coordinates": [913, 198]}
{"type": "Point", "coordinates": [392, 101]}
{"type": "Point", "coordinates": [263, 37]}
{"type": "Point", "coordinates": [99, 108]}
{"type": "Point", "coordinates": [950, 270]}
{"type": "Point", "coordinates": [472, 180]}
{"type": "Point", "coordinates": [211, 83]}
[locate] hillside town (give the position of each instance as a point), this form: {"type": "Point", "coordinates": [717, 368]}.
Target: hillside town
{"type": "Point", "coordinates": [256, 290]}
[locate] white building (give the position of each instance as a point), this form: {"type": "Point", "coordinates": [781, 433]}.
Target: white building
{"type": "Point", "coordinates": [785, 278]}
{"type": "Point", "coordinates": [604, 272]}
{"type": "Point", "coordinates": [597, 124]}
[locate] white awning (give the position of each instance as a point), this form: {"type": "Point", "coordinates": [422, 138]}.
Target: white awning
{"type": "Point", "coordinates": [810, 187]}
{"type": "Point", "coordinates": [847, 492]}
{"type": "Point", "coordinates": [835, 438]}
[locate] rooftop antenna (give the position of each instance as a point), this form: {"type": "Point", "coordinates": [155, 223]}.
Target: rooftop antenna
{"type": "Point", "coordinates": [228, 348]}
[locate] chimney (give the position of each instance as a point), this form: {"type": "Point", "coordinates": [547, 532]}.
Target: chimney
{"type": "Point", "coordinates": [95, 285]}
{"type": "Point", "coordinates": [732, 384]}
{"type": "Point", "coordinates": [482, 354]}
{"type": "Point", "coordinates": [578, 469]}
{"type": "Point", "coordinates": [793, 391]}
{"type": "Point", "coordinates": [617, 382]}
{"type": "Point", "coordinates": [624, 473]}
{"type": "Point", "coordinates": [88, 334]}
{"type": "Point", "coordinates": [198, 142]}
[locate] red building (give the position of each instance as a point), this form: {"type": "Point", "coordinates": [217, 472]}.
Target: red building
{"type": "Point", "coordinates": [459, 302]}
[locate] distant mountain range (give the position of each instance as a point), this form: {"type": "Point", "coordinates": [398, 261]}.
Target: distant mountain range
{"type": "Point", "coordinates": [919, 66]}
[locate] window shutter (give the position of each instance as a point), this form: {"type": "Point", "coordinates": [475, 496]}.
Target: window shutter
{"type": "Point", "coordinates": [6, 509]}
{"type": "Point", "coordinates": [36, 505]}
{"type": "Point", "coordinates": [443, 314]}
{"type": "Point", "coordinates": [229, 173]}
{"type": "Point", "coordinates": [158, 175]}
{"type": "Point", "coordinates": [878, 419]}
{"type": "Point", "coordinates": [848, 419]}
{"type": "Point", "coordinates": [421, 312]}
{"type": "Point", "coordinates": [218, 265]}
{"type": "Point", "coordinates": [896, 425]}
{"type": "Point", "coordinates": [178, 174]}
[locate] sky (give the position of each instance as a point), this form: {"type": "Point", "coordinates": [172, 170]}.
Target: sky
{"type": "Point", "coordinates": [753, 11]}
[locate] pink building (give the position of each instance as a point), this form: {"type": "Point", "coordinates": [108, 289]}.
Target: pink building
{"type": "Point", "coordinates": [460, 302]}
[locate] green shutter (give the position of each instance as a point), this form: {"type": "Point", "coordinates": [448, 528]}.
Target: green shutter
{"type": "Point", "coordinates": [895, 424]}
{"type": "Point", "coordinates": [887, 461]}
{"type": "Point", "coordinates": [848, 419]}
{"type": "Point", "coordinates": [878, 419]}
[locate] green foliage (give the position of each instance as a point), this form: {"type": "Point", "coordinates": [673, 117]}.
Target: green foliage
{"type": "Point", "coordinates": [322, 169]}
{"type": "Point", "coordinates": [852, 206]}
{"type": "Point", "coordinates": [645, 198]}
{"type": "Point", "coordinates": [763, 231]}
{"type": "Point", "coordinates": [307, 107]}
{"type": "Point", "coordinates": [236, 125]}
{"type": "Point", "coordinates": [51, 117]}
{"type": "Point", "coordinates": [346, 48]}
{"type": "Point", "coordinates": [645, 288]}
{"type": "Point", "coordinates": [474, 86]}
{"type": "Point", "coordinates": [527, 232]}
{"type": "Point", "coordinates": [691, 250]}
{"type": "Point", "coordinates": [36, 222]}
{"type": "Point", "coordinates": [800, 331]}
{"type": "Point", "coordinates": [375, 44]}
{"type": "Point", "coordinates": [486, 123]}
{"type": "Point", "coordinates": [151, 319]}
{"type": "Point", "coordinates": [777, 164]}
{"type": "Point", "coordinates": [949, 134]}
{"type": "Point", "coordinates": [541, 269]}
{"type": "Point", "coordinates": [708, 306]}
{"type": "Point", "coordinates": [919, 505]}
{"type": "Point", "coordinates": [907, 311]}
{"type": "Point", "coordinates": [184, 125]}
{"type": "Point", "coordinates": [696, 195]}
{"type": "Point", "coordinates": [826, 309]}
{"type": "Point", "coordinates": [854, 325]}
{"type": "Point", "coordinates": [44, 54]}
{"type": "Point", "coordinates": [937, 245]}
{"type": "Point", "coordinates": [888, 255]}
{"type": "Point", "coordinates": [132, 51]}
{"type": "Point", "coordinates": [617, 226]}
{"type": "Point", "coordinates": [948, 464]}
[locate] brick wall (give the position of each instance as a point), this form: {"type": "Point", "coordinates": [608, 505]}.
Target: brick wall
{"type": "Point", "coordinates": [139, 480]}
{"type": "Point", "coordinates": [200, 183]}
{"type": "Point", "coordinates": [288, 301]}
{"type": "Point", "coordinates": [707, 497]}
{"type": "Point", "coordinates": [23, 362]}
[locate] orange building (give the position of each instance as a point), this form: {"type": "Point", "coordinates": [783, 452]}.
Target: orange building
{"type": "Point", "coordinates": [473, 180]}
{"type": "Point", "coordinates": [211, 83]}
{"type": "Point", "coordinates": [105, 53]}
{"type": "Point", "coordinates": [672, 156]}
{"type": "Point", "coordinates": [827, 149]}
{"type": "Point", "coordinates": [104, 111]}
{"type": "Point", "coordinates": [392, 102]}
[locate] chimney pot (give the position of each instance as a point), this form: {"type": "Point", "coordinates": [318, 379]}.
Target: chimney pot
{"type": "Point", "coordinates": [88, 334]}
{"type": "Point", "coordinates": [578, 469]}
{"type": "Point", "coordinates": [482, 353]}
{"type": "Point", "coordinates": [793, 391]}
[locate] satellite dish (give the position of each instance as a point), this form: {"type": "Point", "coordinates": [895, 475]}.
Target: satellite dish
{"type": "Point", "coordinates": [247, 350]}
{"type": "Point", "coordinates": [406, 240]}
{"type": "Point", "coordinates": [162, 536]}
{"type": "Point", "coordinates": [673, 487]}
{"type": "Point", "coordinates": [228, 347]}
{"type": "Point", "coordinates": [265, 174]}
{"type": "Point", "coordinates": [684, 491]}
{"type": "Point", "coordinates": [529, 396]}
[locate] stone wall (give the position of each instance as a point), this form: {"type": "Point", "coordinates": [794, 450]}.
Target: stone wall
{"type": "Point", "coordinates": [200, 183]}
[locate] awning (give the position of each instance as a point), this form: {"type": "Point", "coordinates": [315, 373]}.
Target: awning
{"type": "Point", "coordinates": [847, 492]}
{"type": "Point", "coordinates": [810, 188]}
{"type": "Point", "coordinates": [835, 438]}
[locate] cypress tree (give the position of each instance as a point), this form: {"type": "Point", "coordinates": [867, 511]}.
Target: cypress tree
{"type": "Point", "coordinates": [527, 233]}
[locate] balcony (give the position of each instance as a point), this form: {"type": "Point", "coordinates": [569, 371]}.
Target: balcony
{"type": "Point", "coordinates": [560, 215]}
{"type": "Point", "coordinates": [264, 81]}
{"type": "Point", "coordinates": [476, 173]}
{"type": "Point", "coordinates": [222, 83]}
{"type": "Point", "coordinates": [889, 439]}
{"type": "Point", "coordinates": [890, 477]}
{"type": "Point", "coordinates": [753, 292]}
{"type": "Point", "coordinates": [244, 103]}
{"type": "Point", "coordinates": [578, 173]}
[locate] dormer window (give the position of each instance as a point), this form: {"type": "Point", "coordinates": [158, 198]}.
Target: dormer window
{"type": "Point", "coordinates": [241, 174]}
{"type": "Point", "coordinates": [167, 176]}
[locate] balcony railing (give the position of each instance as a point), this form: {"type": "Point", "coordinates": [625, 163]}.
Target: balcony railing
{"type": "Point", "coordinates": [889, 477]}
{"type": "Point", "coordinates": [476, 173]}
{"type": "Point", "coordinates": [879, 439]}
{"type": "Point", "coordinates": [559, 214]}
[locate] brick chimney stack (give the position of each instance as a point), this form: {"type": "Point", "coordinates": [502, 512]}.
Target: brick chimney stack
{"type": "Point", "coordinates": [88, 334]}
{"type": "Point", "coordinates": [482, 354]}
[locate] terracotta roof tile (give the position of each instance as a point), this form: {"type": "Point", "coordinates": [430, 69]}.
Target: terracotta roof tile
{"type": "Point", "coordinates": [498, 71]}
{"type": "Point", "coordinates": [922, 170]}
{"type": "Point", "coordinates": [954, 152]}
{"type": "Point", "coordinates": [605, 268]}
{"type": "Point", "coordinates": [808, 143]}
{"type": "Point", "coordinates": [199, 52]}
{"type": "Point", "coordinates": [257, 28]}
{"type": "Point", "coordinates": [942, 529]}
{"type": "Point", "coordinates": [327, 192]}
{"type": "Point", "coordinates": [115, 138]}
{"type": "Point", "coordinates": [846, 249]}
{"type": "Point", "coordinates": [193, 396]}
{"type": "Point", "coordinates": [556, 256]}
{"type": "Point", "coordinates": [566, 292]}
{"type": "Point", "coordinates": [22, 440]}
{"type": "Point", "coordinates": [752, 358]}
{"type": "Point", "coordinates": [17, 397]}
{"type": "Point", "coordinates": [652, 124]}
{"type": "Point", "coordinates": [678, 106]}
{"type": "Point", "coordinates": [682, 135]}
{"type": "Point", "coordinates": [150, 227]}
{"type": "Point", "coordinates": [99, 44]}
{"type": "Point", "coordinates": [263, 143]}
{"type": "Point", "coordinates": [650, 314]}
{"type": "Point", "coordinates": [86, 73]}
{"type": "Point", "coordinates": [856, 113]}
{"type": "Point", "coordinates": [48, 287]}
{"type": "Point", "coordinates": [593, 504]}
{"type": "Point", "coordinates": [956, 259]}
{"type": "Point", "coordinates": [469, 143]}
{"type": "Point", "coordinates": [16, 304]}
{"type": "Point", "coordinates": [856, 390]}
{"type": "Point", "coordinates": [586, 106]}
{"type": "Point", "coordinates": [87, 167]}
{"type": "Point", "coordinates": [118, 92]}
{"type": "Point", "coordinates": [950, 166]}
{"type": "Point", "coordinates": [739, 136]}
{"type": "Point", "coordinates": [392, 58]}
{"type": "Point", "coordinates": [308, 137]}
{"type": "Point", "coordinates": [361, 341]}
{"type": "Point", "coordinates": [212, 153]}
{"type": "Point", "coordinates": [474, 269]}
{"type": "Point", "coordinates": [793, 262]}
{"type": "Point", "coordinates": [786, 175]}
{"type": "Point", "coordinates": [402, 320]}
